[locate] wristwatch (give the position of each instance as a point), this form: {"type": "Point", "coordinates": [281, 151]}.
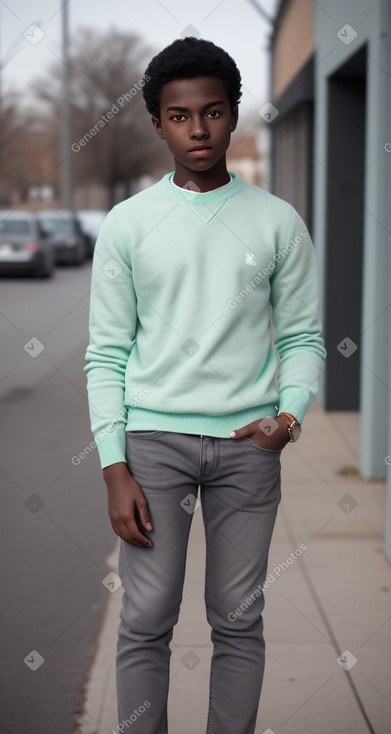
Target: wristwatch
{"type": "Point", "coordinates": [294, 427]}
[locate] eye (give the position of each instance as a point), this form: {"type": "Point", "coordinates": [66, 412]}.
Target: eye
{"type": "Point", "coordinates": [179, 114]}
{"type": "Point", "coordinates": [214, 112]}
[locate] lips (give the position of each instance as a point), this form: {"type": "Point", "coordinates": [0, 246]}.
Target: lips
{"type": "Point", "coordinates": [200, 147]}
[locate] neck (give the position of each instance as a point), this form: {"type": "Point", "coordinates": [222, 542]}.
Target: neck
{"type": "Point", "coordinates": [203, 180]}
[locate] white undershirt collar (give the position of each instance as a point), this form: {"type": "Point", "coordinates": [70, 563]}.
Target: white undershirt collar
{"type": "Point", "coordinates": [224, 186]}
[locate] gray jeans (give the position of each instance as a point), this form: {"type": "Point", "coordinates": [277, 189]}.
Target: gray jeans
{"type": "Point", "coordinates": [240, 489]}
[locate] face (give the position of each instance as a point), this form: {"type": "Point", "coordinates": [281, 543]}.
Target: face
{"type": "Point", "coordinates": [195, 113]}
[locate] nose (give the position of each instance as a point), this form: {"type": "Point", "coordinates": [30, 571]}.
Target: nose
{"type": "Point", "coordinates": [198, 128]}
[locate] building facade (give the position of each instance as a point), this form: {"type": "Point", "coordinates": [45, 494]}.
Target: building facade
{"type": "Point", "coordinates": [331, 158]}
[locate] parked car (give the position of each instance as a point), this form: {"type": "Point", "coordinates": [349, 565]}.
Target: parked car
{"type": "Point", "coordinates": [23, 250]}
{"type": "Point", "coordinates": [91, 221]}
{"type": "Point", "coordinates": [62, 231]}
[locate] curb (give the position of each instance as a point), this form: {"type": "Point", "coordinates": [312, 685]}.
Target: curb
{"type": "Point", "coordinates": [100, 686]}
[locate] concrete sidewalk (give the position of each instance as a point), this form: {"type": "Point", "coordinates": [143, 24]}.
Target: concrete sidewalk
{"type": "Point", "coordinates": [333, 599]}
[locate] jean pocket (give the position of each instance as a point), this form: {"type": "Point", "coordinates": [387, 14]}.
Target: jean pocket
{"type": "Point", "coordinates": [143, 434]}
{"type": "Point", "coordinates": [262, 449]}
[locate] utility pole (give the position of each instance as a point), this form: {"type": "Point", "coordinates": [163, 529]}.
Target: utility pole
{"type": "Point", "coordinates": [1, 77]}
{"type": "Point", "coordinates": [262, 12]}
{"type": "Point", "coordinates": [0, 58]}
{"type": "Point", "coordinates": [265, 140]}
{"type": "Point", "coordinates": [65, 144]}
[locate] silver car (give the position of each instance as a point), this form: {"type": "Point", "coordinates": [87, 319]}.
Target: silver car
{"type": "Point", "coordinates": [23, 250]}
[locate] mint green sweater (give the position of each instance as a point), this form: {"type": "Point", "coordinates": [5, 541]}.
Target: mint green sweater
{"type": "Point", "coordinates": [179, 327]}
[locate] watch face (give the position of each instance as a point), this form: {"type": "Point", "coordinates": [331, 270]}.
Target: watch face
{"type": "Point", "coordinates": [295, 432]}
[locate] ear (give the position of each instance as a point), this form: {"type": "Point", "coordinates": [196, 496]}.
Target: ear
{"type": "Point", "coordinates": [234, 118]}
{"type": "Point", "coordinates": [158, 127]}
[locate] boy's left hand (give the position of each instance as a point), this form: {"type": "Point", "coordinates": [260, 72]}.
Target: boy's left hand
{"type": "Point", "coordinates": [266, 433]}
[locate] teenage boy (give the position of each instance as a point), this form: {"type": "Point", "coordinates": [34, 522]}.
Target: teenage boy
{"type": "Point", "coordinates": [181, 387]}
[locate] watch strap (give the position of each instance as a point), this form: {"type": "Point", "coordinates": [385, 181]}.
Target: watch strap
{"type": "Point", "coordinates": [288, 418]}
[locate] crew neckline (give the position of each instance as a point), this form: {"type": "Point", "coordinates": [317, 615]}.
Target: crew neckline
{"type": "Point", "coordinates": [224, 186]}
{"type": "Point", "coordinates": [216, 195]}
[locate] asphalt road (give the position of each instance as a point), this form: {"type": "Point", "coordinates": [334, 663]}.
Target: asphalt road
{"type": "Point", "coordinates": [55, 533]}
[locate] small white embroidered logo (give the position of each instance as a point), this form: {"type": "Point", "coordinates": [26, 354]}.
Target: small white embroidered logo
{"type": "Point", "coordinates": [250, 258]}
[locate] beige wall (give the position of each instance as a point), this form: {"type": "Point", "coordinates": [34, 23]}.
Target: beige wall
{"type": "Point", "coordinates": [293, 43]}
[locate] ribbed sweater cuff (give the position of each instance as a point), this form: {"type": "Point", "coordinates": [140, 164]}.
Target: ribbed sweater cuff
{"type": "Point", "coordinates": [112, 448]}
{"type": "Point", "coordinates": [295, 401]}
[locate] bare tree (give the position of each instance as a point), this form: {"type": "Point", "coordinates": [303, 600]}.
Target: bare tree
{"type": "Point", "coordinates": [10, 128]}
{"type": "Point", "coordinates": [25, 158]}
{"type": "Point", "coordinates": [113, 138]}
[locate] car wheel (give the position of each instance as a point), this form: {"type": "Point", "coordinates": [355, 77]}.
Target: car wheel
{"type": "Point", "coordinates": [91, 245]}
{"type": "Point", "coordinates": [46, 268]}
{"type": "Point", "coordinates": [80, 254]}
{"type": "Point", "coordinates": [44, 272]}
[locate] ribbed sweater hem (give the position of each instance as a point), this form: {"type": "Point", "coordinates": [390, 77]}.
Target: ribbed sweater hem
{"type": "Point", "coordinates": [140, 419]}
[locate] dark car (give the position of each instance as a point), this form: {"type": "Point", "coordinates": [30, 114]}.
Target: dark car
{"type": "Point", "coordinates": [63, 232]}
{"type": "Point", "coordinates": [23, 250]}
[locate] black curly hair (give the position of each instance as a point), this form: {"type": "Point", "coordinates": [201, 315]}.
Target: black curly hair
{"type": "Point", "coordinates": [187, 58]}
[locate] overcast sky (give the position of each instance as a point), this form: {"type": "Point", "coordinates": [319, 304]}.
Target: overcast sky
{"type": "Point", "coordinates": [233, 24]}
